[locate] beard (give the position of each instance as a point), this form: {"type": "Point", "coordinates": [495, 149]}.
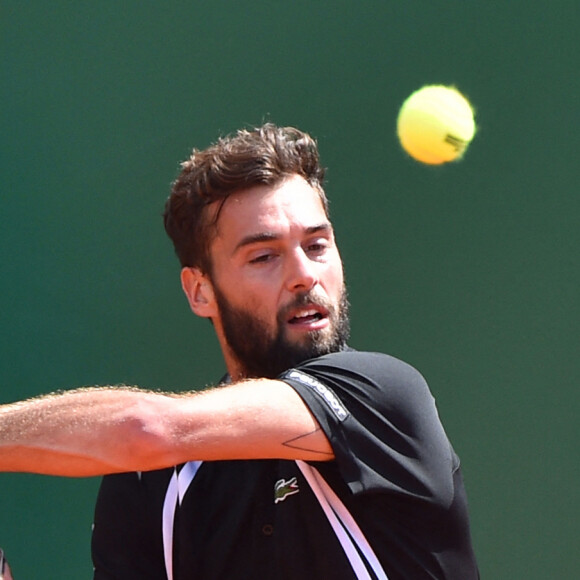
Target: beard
{"type": "Point", "coordinates": [266, 353]}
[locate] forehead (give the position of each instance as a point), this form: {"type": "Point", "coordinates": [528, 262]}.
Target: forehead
{"type": "Point", "coordinates": [290, 206]}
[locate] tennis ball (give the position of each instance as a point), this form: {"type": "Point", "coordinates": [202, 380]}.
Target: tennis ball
{"type": "Point", "coordinates": [436, 124]}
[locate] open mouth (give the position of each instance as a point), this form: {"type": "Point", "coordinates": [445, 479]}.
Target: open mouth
{"type": "Point", "coordinates": [308, 316]}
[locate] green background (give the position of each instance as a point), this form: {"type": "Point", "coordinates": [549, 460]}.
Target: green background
{"type": "Point", "coordinates": [467, 271]}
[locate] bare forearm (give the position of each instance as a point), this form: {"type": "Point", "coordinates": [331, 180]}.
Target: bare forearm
{"type": "Point", "coordinates": [79, 433]}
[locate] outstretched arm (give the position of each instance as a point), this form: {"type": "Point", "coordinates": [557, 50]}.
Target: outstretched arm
{"type": "Point", "coordinates": [95, 431]}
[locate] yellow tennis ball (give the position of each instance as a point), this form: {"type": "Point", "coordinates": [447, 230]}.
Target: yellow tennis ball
{"type": "Point", "coordinates": [436, 124]}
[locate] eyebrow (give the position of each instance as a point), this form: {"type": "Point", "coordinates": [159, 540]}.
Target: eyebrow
{"type": "Point", "coordinates": [270, 236]}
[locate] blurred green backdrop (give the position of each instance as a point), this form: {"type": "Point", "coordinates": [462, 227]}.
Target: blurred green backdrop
{"type": "Point", "coordinates": [468, 271]}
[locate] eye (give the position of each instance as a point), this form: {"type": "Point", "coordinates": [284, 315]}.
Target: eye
{"type": "Point", "coordinates": [318, 246]}
{"type": "Point", "coordinates": [262, 258]}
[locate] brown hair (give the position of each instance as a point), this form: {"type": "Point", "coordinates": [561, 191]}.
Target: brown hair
{"type": "Point", "coordinates": [265, 155]}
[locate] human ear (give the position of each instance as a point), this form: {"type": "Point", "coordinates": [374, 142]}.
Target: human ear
{"type": "Point", "coordinates": [199, 292]}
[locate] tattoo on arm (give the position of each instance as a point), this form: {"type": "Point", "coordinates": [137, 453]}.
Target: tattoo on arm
{"type": "Point", "coordinates": [301, 442]}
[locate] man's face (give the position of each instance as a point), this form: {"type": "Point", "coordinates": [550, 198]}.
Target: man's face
{"type": "Point", "coordinates": [277, 279]}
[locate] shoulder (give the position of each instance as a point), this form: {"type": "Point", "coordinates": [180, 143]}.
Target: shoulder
{"type": "Point", "coordinates": [368, 367]}
{"type": "Point", "coordinates": [381, 419]}
{"type": "Point", "coordinates": [365, 378]}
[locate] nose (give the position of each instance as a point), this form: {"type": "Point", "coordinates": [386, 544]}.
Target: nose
{"type": "Point", "coordinates": [302, 273]}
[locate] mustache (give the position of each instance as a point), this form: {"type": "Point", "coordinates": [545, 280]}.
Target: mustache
{"type": "Point", "coordinates": [305, 299]}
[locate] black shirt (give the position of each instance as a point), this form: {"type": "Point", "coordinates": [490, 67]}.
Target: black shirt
{"type": "Point", "coordinates": [394, 472]}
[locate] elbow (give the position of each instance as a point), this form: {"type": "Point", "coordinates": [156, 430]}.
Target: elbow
{"type": "Point", "coordinates": [145, 439]}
